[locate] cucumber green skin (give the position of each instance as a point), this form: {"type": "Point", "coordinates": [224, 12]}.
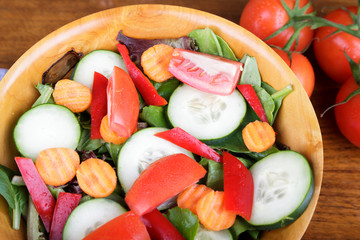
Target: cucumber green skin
{"type": "Point", "coordinates": [206, 141]}
{"type": "Point", "coordinates": [41, 105]}
{"type": "Point", "coordinates": [295, 214]}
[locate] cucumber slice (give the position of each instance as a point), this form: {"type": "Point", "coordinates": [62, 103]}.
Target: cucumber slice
{"type": "Point", "coordinates": [205, 234]}
{"type": "Point", "coordinates": [101, 61]}
{"type": "Point", "coordinates": [203, 115]}
{"type": "Point", "coordinates": [283, 187]}
{"type": "Point", "coordinates": [46, 126]}
{"type": "Point", "coordinates": [139, 151]}
{"type": "Point", "coordinates": [90, 215]}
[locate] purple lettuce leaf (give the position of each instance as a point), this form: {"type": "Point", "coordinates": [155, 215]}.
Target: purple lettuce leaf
{"type": "Point", "coordinates": [137, 46]}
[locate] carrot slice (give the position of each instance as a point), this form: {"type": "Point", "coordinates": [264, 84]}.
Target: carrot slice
{"type": "Point", "coordinates": [258, 136]}
{"type": "Point", "coordinates": [96, 177]}
{"type": "Point", "coordinates": [107, 134]}
{"type": "Point", "coordinates": [211, 211]}
{"type": "Point", "coordinates": [72, 95]}
{"type": "Point", "coordinates": [57, 166]}
{"type": "Point", "coordinates": [191, 195]}
{"type": "Point", "coordinates": [155, 62]}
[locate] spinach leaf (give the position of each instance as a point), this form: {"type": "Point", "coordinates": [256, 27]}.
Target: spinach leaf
{"type": "Point", "coordinates": [250, 74]}
{"type": "Point", "coordinates": [258, 156]}
{"type": "Point", "coordinates": [15, 196]}
{"type": "Point", "coordinates": [226, 50]}
{"type": "Point", "coordinates": [279, 96]}
{"type": "Point", "coordinates": [267, 102]}
{"type": "Point", "coordinates": [214, 175]}
{"type": "Point", "coordinates": [114, 151]}
{"type": "Point", "coordinates": [88, 144]}
{"type": "Point", "coordinates": [45, 94]}
{"type": "Point", "coordinates": [239, 227]}
{"type": "Point", "coordinates": [247, 162]}
{"type": "Point", "coordinates": [165, 89]}
{"type": "Point", "coordinates": [207, 41]}
{"type": "Point", "coordinates": [154, 116]}
{"type": "Point", "coordinates": [185, 222]}
{"type": "Point", "coordinates": [255, 234]}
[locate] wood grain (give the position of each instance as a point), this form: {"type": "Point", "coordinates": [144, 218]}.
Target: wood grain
{"type": "Point", "coordinates": [337, 216]}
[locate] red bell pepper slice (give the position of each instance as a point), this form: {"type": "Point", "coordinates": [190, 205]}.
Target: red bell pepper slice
{"type": "Point", "coordinates": [122, 103]}
{"type": "Point", "coordinates": [183, 139]}
{"type": "Point", "coordinates": [250, 95]}
{"type": "Point", "coordinates": [98, 104]}
{"type": "Point", "coordinates": [43, 200]}
{"type": "Point", "coordinates": [238, 186]}
{"type": "Point", "coordinates": [127, 226]}
{"type": "Point", "coordinates": [159, 227]}
{"type": "Point", "coordinates": [65, 204]}
{"type": "Point", "coordinates": [162, 180]}
{"type": "Point", "coordinates": [142, 83]}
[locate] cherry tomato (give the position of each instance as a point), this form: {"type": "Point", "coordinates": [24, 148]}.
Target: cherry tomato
{"type": "Point", "coordinates": [205, 72]}
{"type": "Point", "coordinates": [302, 68]}
{"type": "Point", "coordinates": [264, 17]}
{"type": "Point", "coordinates": [348, 115]}
{"type": "Point", "coordinates": [329, 50]}
{"type": "Point", "coordinates": [122, 103]}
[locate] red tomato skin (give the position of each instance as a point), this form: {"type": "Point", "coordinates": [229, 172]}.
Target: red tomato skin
{"type": "Point", "coordinates": [329, 51]}
{"type": "Point", "coordinates": [302, 69]}
{"type": "Point", "coordinates": [205, 72]}
{"type": "Point", "coordinates": [98, 106]}
{"type": "Point", "coordinates": [348, 115]}
{"type": "Point", "coordinates": [264, 17]}
{"type": "Point", "coordinates": [162, 180]}
{"type": "Point", "coordinates": [127, 226]}
{"type": "Point", "coordinates": [123, 103]}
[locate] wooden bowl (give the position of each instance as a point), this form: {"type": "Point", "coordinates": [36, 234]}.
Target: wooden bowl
{"type": "Point", "coordinates": [296, 125]}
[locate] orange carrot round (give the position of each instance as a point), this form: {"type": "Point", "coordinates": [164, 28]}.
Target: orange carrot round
{"type": "Point", "coordinates": [258, 136]}
{"type": "Point", "coordinates": [155, 62]}
{"type": "Point", "coordinates": [96, 177]}
{"type": "Point", "coordinates": [107, 134]}
{"type": "Point", "coordinates": [57, 166]}
{"type": "Point", "coordinates": [72, 95]}
{"type": "Point", "coordinates": [211, 212]}
{"type": "Point", "coordinates": [191, 195]}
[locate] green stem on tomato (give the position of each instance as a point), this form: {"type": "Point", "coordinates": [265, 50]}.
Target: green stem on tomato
{"type": "Point", "coordinates": [316, 22]}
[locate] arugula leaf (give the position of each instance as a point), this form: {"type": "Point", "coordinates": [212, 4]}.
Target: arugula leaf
{"type": "Point", "coordinates": [185, 222]}
{"type": "Point", "coordinates": [45, 94]}
{"type": "Point", "coordinates": [15, 196]}
{"type": "Point", "coordinates": [154, 116]}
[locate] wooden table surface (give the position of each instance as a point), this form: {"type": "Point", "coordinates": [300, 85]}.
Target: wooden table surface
{"type": "Point", "coordinates": [337, 216]}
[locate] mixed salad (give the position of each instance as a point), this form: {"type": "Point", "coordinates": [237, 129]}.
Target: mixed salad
{"type": "Point", "coordinates": [166, 139]}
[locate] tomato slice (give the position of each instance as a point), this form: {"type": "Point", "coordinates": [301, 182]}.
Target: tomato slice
{"type": "Point", "coordinates": [205, 72]}
{"type": "Point", "coordinates": [123, 103]}
{"type": "Point", "coordinates": [162, 180]}
{"type": "Point", "coordinates": [127, 226]}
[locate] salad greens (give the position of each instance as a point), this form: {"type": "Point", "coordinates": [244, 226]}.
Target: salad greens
{"type": "Point", "coordinates": [15, 196]}
{"type": "Point", "coordinates": [187, 223]}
